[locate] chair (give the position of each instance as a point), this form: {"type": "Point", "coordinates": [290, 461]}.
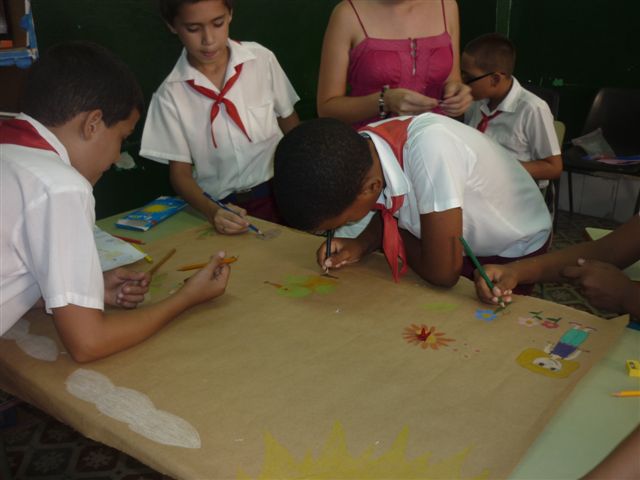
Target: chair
{"type": "Point", "coordinates": [616, 111]}
{"type": "Point", "coordinates": [552, 196]}
{"type": "Point", "coordinates": [552, 97]}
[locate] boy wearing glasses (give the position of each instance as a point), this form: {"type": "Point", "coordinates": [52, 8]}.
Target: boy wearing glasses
{"type": "Point", "coordinates": [513, 116]}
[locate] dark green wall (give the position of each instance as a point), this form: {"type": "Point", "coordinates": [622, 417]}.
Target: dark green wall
{"type": "Point", "coordinates": [573, 46]}
{"type": "Point", "coordinates": [476, 17]}
{"type": "Point", "coordinates": [293, 29]}
{"type": "Point", "coordinates": [578, 46]}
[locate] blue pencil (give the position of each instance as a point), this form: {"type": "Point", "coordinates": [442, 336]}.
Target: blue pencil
{"type": "Point", "coordinates": [224, 207]}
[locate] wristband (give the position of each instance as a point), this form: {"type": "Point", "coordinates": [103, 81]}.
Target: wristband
{"type": "Point", "coordinates": [381, 111]}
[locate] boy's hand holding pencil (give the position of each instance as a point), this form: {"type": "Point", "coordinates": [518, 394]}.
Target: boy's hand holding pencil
{"type": "Point", "coordinates": [230, 219]}
{"type": "Point", "coordinates": [338, 252]}
{"type": "Point", "coordinates": [501, 277]}
{"type": "Point", "coordinates": [485, 287]}
{"type": "Point", "coordinates": [504, 281]}
{"type": "Point", "coordinates": [207, 283]}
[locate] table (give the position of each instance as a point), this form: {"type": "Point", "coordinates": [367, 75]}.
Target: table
{"type": "Point", "coordinates": [586, 426]}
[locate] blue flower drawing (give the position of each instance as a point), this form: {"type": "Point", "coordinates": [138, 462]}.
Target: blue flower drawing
{"type": "Point", "coordinates": [486, 315]}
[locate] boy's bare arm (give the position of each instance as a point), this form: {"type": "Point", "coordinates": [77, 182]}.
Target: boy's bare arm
{"type": "Point", "coordinates": [622, 463]}
{"type": "Point", "coordinates": [89, 334]}
{"type": "Point", "coordinates": [182, 181]}
{"type": "Point", "coordinates": [371, 236]}
{"type": "Point", "coordinates": [549, 168]}
{"type": "Point", "coordinates": [185, 185]}
{"type": "Point", "coordinates": [437, 256]}
{"type": "Point", "coordinates": [287, 124]}
{"type": "Point", "coordinates": [605, 286]}
{"type": "Point", "coordinates": [620, 248]}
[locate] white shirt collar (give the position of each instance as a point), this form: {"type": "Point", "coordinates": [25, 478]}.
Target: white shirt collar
{"type": "Point", "coordinates": [396, 182]}
{"type": "Point", "coordinates": [183, 71]}
{"type": "Point", "coordinates": [508, 103]}
{"type": "Point", "coordinates": [48, 136]}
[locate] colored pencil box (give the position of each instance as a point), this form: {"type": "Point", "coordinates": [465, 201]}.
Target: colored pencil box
{"type": "Point", "coordinates": [151, 214]}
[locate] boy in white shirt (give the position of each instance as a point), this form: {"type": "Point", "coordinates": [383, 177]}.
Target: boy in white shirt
{"type": "Point", "coordinates": [80, 103]}
{"type": "Point", "coordinates": [513, 116]}
{"type": "Point", "coordinates": [218, 116]}
{"type": "Point", "coordinates": [433, 180]}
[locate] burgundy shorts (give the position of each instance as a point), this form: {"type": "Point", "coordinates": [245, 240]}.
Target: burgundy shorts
{"type": "Point", "coordinates": [523, 289]}
{"type": "Point", "coordinates": [258, 201]}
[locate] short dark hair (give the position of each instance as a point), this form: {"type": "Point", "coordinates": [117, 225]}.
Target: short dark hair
{"type": "Point", "coordinates": [492, 52]}
{"type": "Point", "coordinates": [319, 168]}
{"type": "Point", "coordinates": [75, 77]}
{"type": "Point", "coordinates": [169, 8]}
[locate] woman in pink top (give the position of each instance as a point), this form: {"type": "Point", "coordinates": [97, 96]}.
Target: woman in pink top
{"type": "Point", "coordinates": [408, 66]}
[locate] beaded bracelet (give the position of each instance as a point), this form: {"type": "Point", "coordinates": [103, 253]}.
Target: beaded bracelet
{"type": "Point", "coordinates": [381, 111]}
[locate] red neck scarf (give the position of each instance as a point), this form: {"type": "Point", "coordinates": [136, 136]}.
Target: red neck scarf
{"type": "Point", "coordinates": [484, 123]}
{"type": "Point", "coordinates": [21, 132]}
{"type": "Point", "coordinates": [394, 132]}
{"type": "Point", "coordinates": [219, 98]}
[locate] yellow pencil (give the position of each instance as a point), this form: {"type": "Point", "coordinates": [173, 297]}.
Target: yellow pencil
{"type": "Point", "coordinates": [196, 266]}
{"type": "Point", "coordinates": [155, 268]}
{"type": "Point", "coordinates": [146, 256]}
{"type": "Point", "coordinates": [627, 393]}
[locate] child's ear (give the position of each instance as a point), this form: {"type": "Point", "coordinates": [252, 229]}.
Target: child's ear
{"type": "Point", "coordinates": [372, 187]}
{"type": "Point", "coordinates": [92, 124]}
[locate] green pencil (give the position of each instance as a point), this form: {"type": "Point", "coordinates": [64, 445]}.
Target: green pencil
{"type": "Point", "coordinates": [475, 261]}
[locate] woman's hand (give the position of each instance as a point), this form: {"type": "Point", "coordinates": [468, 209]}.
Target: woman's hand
{"type": "Point", "coordinates": [456, 98]}
{"type": "Point", "coordinates": [402, 101]}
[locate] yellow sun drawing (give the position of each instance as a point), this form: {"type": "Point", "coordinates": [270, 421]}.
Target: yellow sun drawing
{"type": "Point", "coordinates": [155, 208]}
{"type": "Point", "coordinates": [335, 461]}
{"type": "Point", "coordinates": [426, 337]}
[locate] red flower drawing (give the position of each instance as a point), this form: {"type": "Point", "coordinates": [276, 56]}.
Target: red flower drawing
{"type": "Point", "coordinates": [426, 337]}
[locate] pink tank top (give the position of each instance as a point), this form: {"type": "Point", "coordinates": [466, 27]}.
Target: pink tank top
{"type": "Point", "coordinates": [419, 64]}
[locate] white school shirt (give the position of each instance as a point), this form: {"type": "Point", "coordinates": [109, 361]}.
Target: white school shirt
{"type": "Point", "coordinates": [525, 126]}
{"type": "Point", "coordinates": [449, 165]}
{"type": "Point", "coordinates": [46, 240]}
{"type": "Point", "coordinates": [178, 128]}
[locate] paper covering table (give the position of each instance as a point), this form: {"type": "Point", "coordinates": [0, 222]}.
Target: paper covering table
{"type": "Point", "coordinates": [294, 375]}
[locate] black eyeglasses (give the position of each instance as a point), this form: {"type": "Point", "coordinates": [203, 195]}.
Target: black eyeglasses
{"type": "Point", "coordinates": [479, 77]}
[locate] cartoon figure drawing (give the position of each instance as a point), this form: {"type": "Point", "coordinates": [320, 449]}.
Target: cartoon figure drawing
{"type": "Point", "coordinates": [556, 360]}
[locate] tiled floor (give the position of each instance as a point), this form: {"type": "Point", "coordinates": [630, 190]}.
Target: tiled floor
{"type": "Point", "coordinates": [39, 447]}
